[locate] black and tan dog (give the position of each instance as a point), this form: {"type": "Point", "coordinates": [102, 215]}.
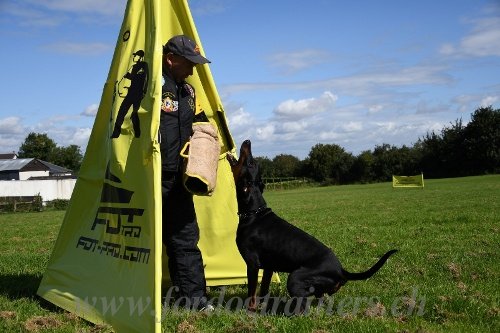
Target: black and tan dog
{"type": "Point", "coordinates": [268, 242]}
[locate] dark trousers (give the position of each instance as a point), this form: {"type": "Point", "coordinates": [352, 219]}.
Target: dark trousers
{"type": "Point", "coordinates": [180, 236]}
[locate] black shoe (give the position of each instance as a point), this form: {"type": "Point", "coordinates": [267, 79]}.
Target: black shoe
{"type": "Point", "coordinates": [201, 304]}
{"type": "Point", "coordinates": [204, 306]}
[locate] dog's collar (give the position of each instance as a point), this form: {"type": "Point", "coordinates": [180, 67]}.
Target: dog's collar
{"type": "Point", "coordinates": [246, 215]}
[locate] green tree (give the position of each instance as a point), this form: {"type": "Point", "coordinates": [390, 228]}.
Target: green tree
{"type": "Point", "coordinates": [430, 150]}
{"type": "Point", "coordinates": [390, 160]}
{"type": "Point", "coordinates": [408, 160]}
{"type": "Point", "coordinates": [383, 162]}
{"type": "Point", "coordinates": [265, 166]}
{"type": "Point", "coordinates": [286, 165]}
{"type": "Point", "coordinates": [482, 141]}
{"type": "Point", "coordinates": [69, 157]}
{"type": "Point", "coordinates": [452, 150]}
{"type": "Point", "coordinates": [443, 154]}
{"type": "Point", "coordinates": [463, 150]}
{"type": "Point", "coordinates": [330, 163]}
{"type": "Point", "coordinates": [362, 167]}
{"type": "Point", "coordinates": [42, 147]}
{"type": "Point", "coordinates": [37, 145]}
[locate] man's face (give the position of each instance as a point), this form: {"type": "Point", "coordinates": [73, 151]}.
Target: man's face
{"type": "Point", "coordinates": [179, 66]}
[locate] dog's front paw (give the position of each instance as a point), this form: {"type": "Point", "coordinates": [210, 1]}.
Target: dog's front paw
{"type": "Point", "coordinates": [251, 311]}
{"type": "Point", "coordinates": [231, 159]}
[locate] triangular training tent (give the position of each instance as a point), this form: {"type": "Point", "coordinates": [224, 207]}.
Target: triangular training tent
{"type": "Point", "coordinates": [106, 264]}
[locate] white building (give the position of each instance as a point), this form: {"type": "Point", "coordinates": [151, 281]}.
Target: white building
{"type": "Point", "coordinates": [28, 177]}
{"type": "Point", "coordinates": [30, 168]}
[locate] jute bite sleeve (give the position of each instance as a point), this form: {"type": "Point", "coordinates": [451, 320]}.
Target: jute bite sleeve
{"type": "Point", "coordinates": [202, 158]}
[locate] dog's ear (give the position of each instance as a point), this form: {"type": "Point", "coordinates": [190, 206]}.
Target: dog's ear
{"type": "Point", "coordinates": [261, 186]}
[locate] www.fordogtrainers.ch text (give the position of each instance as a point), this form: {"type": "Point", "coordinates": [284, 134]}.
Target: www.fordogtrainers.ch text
{"type": "Point", "coordinates": [411, 305]}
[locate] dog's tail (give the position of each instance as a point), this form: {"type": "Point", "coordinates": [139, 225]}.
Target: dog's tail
{"type": "Point", "coordinates": [367, 274]}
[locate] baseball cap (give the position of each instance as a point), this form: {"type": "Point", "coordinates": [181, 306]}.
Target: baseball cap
{"type": "Point", "coordinates": [185, 47]}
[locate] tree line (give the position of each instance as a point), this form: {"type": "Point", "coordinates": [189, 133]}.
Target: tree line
{"type": "Point", "coordinates": [42, 147]}
{"type": "Point", "coordinates": [458, 150]}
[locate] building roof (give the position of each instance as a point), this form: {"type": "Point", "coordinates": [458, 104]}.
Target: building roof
{"type": "Point", "coordinates": [55, 168]}
{"type": "Point", "coordinates": [8, 156]}
{"type": "Point", "coordinates": [19, 163]}
{"type": "Point", "coordinates": [14, 164]}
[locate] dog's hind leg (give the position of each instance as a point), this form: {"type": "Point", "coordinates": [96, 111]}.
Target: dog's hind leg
{"type": "Point", "coordinates": [300, 286]}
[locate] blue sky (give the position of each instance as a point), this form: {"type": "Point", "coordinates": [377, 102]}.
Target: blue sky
{"type": "Point", "coordinates": [291, 74]}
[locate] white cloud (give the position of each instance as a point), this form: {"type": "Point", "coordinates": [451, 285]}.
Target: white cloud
{"type": "Point", "coordinates": [306, 107]}
{"type": "Point", "coordinates": [489, 100]}
{"type": "Point", "coordinates": [413, 75]}
{"type": "Point", "coordinates": [329, 135]}
{"type": "Point", "coordinates": [51, 13]}
{"type": "Point", "coordinates": [81, 137]}
{"type": "Point", "coordinates": [375, 109]}
{"type": "Point", "coordinates": [29, 16]}
{"type": "Point", "coordinates": [386, 126]}
{"type": "Point", "coordinates": [482, 41]}
{"type": "Point", "coordinates": [349, 126]}
{"type": "Point", "coordinates": [102, 7]}
{"type": "Point", "coordinates": [353, 126]}
{"type": "Point", "coordinates": [11, 125]}
{"type": "Point", "coordinates": [447, 49]}
{"type": "Point", "coordinates": [265, 132]}
{"type": "Point", "coordinates": [432, 127]}
{"type": "Point", "coordinates": [294, 126]}
{"type": "Point", "coordinates": [373, 82]}
{"type": "Point", "coordinates": [291, 62]}
{"type": "Point", "coordinates": [12, 134]}
{"type": "Point", "coordinates": [202, 7]}
{"type": "Point", "coordinates": [241, 123]}
{"type": "Point", "coordinates": [239, 118]}
{"type": "Point", "coordinates": [90, 111]}
{"type": "Point", "coordinates": [370, 83]}
{"type": "Point", "coordinates": [424, 107]}
{"type": "Point", "coordinates": [467, 103]}
{"type": "Point", "coordinates": [80, 48]}
{"type": "Point", "coordinates": [464, 99]}
{"type": "Point", "coordinates": [66, 135]}
{"type": "Point", "coordinates": [9, 144]}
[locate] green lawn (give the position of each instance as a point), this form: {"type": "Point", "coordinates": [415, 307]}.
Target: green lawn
{"type": "Point", "coordinates": [445, 277]}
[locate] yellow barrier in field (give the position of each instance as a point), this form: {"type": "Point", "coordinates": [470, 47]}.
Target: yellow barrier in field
{"type": "Point", "coordinates": [408, 181]}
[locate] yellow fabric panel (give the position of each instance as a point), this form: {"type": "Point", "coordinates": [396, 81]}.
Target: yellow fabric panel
{"type": "Point", "coordinates": [106, 264]}
{"type": "Point", "coordinates": [408, 181]}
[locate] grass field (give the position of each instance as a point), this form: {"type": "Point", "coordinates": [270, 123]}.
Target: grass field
{"type": "Point", "coordinates": [445, 277]}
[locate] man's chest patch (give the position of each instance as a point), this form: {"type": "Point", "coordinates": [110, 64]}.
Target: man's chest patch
{"type": "Point", "coordinates": [169, 104]}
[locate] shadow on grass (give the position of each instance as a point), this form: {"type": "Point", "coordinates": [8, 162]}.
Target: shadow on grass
{"type": "Point", "coordinates": [16, 287]}
{"type": "Point", "coordinates": [19, 286]}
